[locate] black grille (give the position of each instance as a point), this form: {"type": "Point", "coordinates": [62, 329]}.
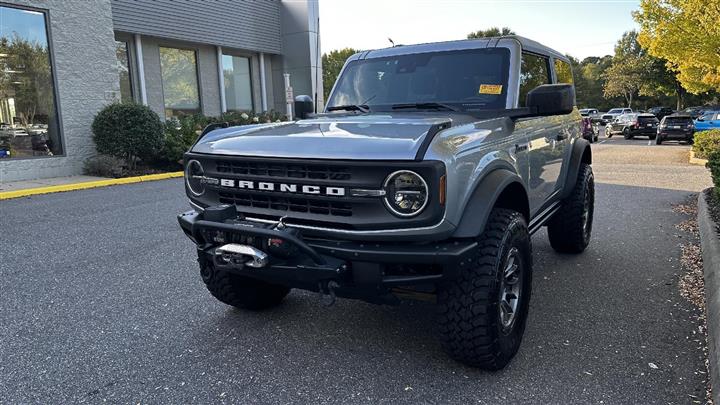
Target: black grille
{"type": "Point", "coordinates": [294, 171]}
{"type": "Point", "coordinates": [305, 205]}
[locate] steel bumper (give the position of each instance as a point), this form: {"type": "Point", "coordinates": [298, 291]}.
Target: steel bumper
{"type": "Point", "coordinates": [360, 269]}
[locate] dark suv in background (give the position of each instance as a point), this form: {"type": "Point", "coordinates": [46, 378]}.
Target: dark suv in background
{"type": "Point", "coordinates": [632, 125]}
{"type": "Point", "coordinates": [661, 112]}
{"type": "Point", "coordinates": [675, 127]}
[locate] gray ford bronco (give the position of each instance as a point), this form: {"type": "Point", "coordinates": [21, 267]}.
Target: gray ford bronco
{"type": "Point", "coordinates": [424, 178]}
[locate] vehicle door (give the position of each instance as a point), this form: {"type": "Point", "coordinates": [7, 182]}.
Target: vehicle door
{"type": "Point", "coordinates": [546, 136]}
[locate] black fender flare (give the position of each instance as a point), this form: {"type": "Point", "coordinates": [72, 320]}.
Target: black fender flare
{"type": "Point", "coordinates": [484, 198]}
{"type": "Point", "coordinates": [581, 153]}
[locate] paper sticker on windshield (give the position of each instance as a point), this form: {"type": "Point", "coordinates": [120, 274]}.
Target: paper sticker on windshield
{"type": "Point", "coordinates": [490, 89]}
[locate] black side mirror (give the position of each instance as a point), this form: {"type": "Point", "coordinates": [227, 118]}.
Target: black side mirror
{"type": "Point", "coordinates": [551, 99]}
{"type": "Point", "coordinates": [303, 106]}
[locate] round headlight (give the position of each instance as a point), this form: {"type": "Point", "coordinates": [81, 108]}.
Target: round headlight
{"type": "Point", "coordinates": [406, 193]}
{"type": "Point", "coordinates": [194, 176]}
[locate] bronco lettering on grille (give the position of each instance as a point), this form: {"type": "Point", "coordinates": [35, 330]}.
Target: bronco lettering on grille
{"type": "Point", "coordinates": [283, 187]}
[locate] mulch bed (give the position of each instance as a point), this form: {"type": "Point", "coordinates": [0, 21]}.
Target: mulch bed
{"type": "Point", "coordinates": [692, 283]}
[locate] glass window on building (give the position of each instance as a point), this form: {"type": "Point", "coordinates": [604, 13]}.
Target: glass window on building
{"type": "Point", "coordinates": [236, 74]}
{"type": "Point", "coordinates": [123, 67]}
{"type": "Point", "coordinates": [563, 72]}
{"type": "Point", "coordinates": [180, 82]}
{"type": "Point", "coordinates": [534, 71]}
{"type": "Point", "coordinates": [28, 118]}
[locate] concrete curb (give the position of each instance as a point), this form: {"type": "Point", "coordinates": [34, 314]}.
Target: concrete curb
{"type": "Point", "coordinates": [711, 268]}
{"type": "Point", "coordinates": [696, 161]}
{"type": "Point", "coordinates": [6, 195]}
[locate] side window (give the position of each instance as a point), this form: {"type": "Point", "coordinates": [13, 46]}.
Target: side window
{"type": "Point", "coordinates": [533, 72]}
{"type": "Point", "coordinates": [563, 72]}
{"type": "Point", "coordinates": [707, 116]}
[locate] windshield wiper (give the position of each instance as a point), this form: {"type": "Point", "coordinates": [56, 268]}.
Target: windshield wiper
{"type": "Point", "coordinates": [350, 107]}
{"type": "Point", "coordinates": [425, 106]}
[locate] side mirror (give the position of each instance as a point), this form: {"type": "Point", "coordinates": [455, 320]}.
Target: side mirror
{"type": "Point", "coordinates": [303, 106]}
{"type": "Point", "coordinates": [551, 99]}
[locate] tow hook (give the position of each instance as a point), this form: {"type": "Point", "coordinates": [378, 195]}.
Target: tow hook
{"type": "Point", "coordinates": [239, 255]}
{"type": "Point", "coordinates": [326, 291]}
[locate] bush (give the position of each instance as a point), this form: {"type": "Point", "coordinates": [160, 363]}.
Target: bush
{"type": "Point", "coordinates": [714, 165]}
{"type": "Point", "coordinates": [705, 142]}
{"type": "Point", "coordinates": [128, 131]}
{"type": "Point", "coordinates": [104, 166]}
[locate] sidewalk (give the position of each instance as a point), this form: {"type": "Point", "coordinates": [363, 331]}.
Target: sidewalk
{"type": "Point", "coordinates": [16, 189]}
{"type": "Point", "coordinates": [55, 181]}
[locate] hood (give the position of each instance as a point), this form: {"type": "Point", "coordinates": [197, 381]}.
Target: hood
{"type": "Point", "coordinates": [360, 137]}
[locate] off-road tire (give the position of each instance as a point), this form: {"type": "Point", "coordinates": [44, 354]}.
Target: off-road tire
{"type": "Point", "coordinates": [608, 132]}
{"type": "Point", "coordinates": [569, 230]}
{"type": "Point", "coordinates": [239, 291]}
{"type": "Point", "coordinates": [469, 323]}
{"type": "Point", "coordinates": [626, 134]}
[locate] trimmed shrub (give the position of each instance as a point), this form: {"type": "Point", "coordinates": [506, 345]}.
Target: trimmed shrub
{"type": "Point", "coordinates": [128, 131]}
{"type": "Point", "coordinates": [714, 165]}
{"type": "Point", "coordinates": [104, 166]}
{"type": "Point", "coordinates": [705, 142]}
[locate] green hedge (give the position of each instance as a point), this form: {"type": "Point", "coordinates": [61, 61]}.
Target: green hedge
{"type": "Point", "coordinates": [705, 142]}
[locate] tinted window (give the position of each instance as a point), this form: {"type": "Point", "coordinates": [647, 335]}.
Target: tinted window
{"type": "Point", "coordinates": [28, 118]}
{"type": "Point", "coordinates": [123, 67]}
{"type": "Point", "coordinates": [563, 72]}
{"type": "Point", "coordinates": [615, 111]}
{"type": "Point", "coordinates": [677, 120]}
{"type": "Point", "coordinates": [473, 79]}
{"type": "Point", "coordinates": [708, 116]}
{"type": "Point", "coordinates": [533, 72]}
{"type": "Point", "coordinates": [179, 80]}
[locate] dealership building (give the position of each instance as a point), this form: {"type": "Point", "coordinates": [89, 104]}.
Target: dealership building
{"type": "Point", "coordinates": [61, 61]}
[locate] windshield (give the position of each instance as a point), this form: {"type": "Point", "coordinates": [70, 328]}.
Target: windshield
{"type": "Point", "coordinates": [468, 80]}
{"type": "Point", "coordinates": [615, 111]}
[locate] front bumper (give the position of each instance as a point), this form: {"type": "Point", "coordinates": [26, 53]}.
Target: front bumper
{"type": "Point", "coordinates": [364, 270]}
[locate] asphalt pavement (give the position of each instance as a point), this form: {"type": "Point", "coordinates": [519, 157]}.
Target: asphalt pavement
{"type": "Point", "coordinates": [101, 300]}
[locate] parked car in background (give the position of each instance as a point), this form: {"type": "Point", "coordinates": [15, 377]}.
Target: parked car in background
{"type": "Point", "coordinates": [678, 127]}
{"type": "Point", "coordinates": [708, 120]}
{"type": "Point", "coordinates": [588, 130]}
{"type": "Point", "coordinates": [694, 112]}
{"type": "Point", "coordinates": [632, 125]}
{"type": "Point", "coordinates": [591, 113]}
{"type": "Point", "coordinates": [614, 113]}
{"type": "Point", "coordinates": [660, 112]}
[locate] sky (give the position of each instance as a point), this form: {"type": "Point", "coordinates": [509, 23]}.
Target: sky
{"type": "Point", "coordinates": [580, 28]}
{"type": "Point", "coordinates": [29, 25]}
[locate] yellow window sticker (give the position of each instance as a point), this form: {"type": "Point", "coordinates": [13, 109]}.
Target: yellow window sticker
{"type": "Point", "coordinates": [490, 89]}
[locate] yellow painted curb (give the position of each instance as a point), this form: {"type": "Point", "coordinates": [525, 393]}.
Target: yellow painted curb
{"type": "Point", "coordinates": [696, 161]}
{"type": "Point", "coordinates": [6, 195]}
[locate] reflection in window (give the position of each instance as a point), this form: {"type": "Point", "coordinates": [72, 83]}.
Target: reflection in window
{"type": "Point", "coordinates": [180, 83]}
{"type": "Point", "coordinates": [28, 122]}
{"type": "Point", "coordinates": [563, 72]}
{"type": "Point", "coordinates": [533, 72]}
{"type": "Point", "coordinates": [236, 74]}
{"type": "Point", "coordinates": [123, 67]}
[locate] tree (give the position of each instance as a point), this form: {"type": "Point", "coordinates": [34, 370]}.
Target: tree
{"type": "Point", "coordinates": [491, 32]}
{"type": "Point", "coordinates": [686, 33]}
{"type": "Point", "coordinates": [332, 63]}
{"type": "Point", "coordinates": [625, 76]}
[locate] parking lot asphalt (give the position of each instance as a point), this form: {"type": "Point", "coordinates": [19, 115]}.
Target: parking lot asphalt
{"type": "Point", "coordinates": [102, 301]}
